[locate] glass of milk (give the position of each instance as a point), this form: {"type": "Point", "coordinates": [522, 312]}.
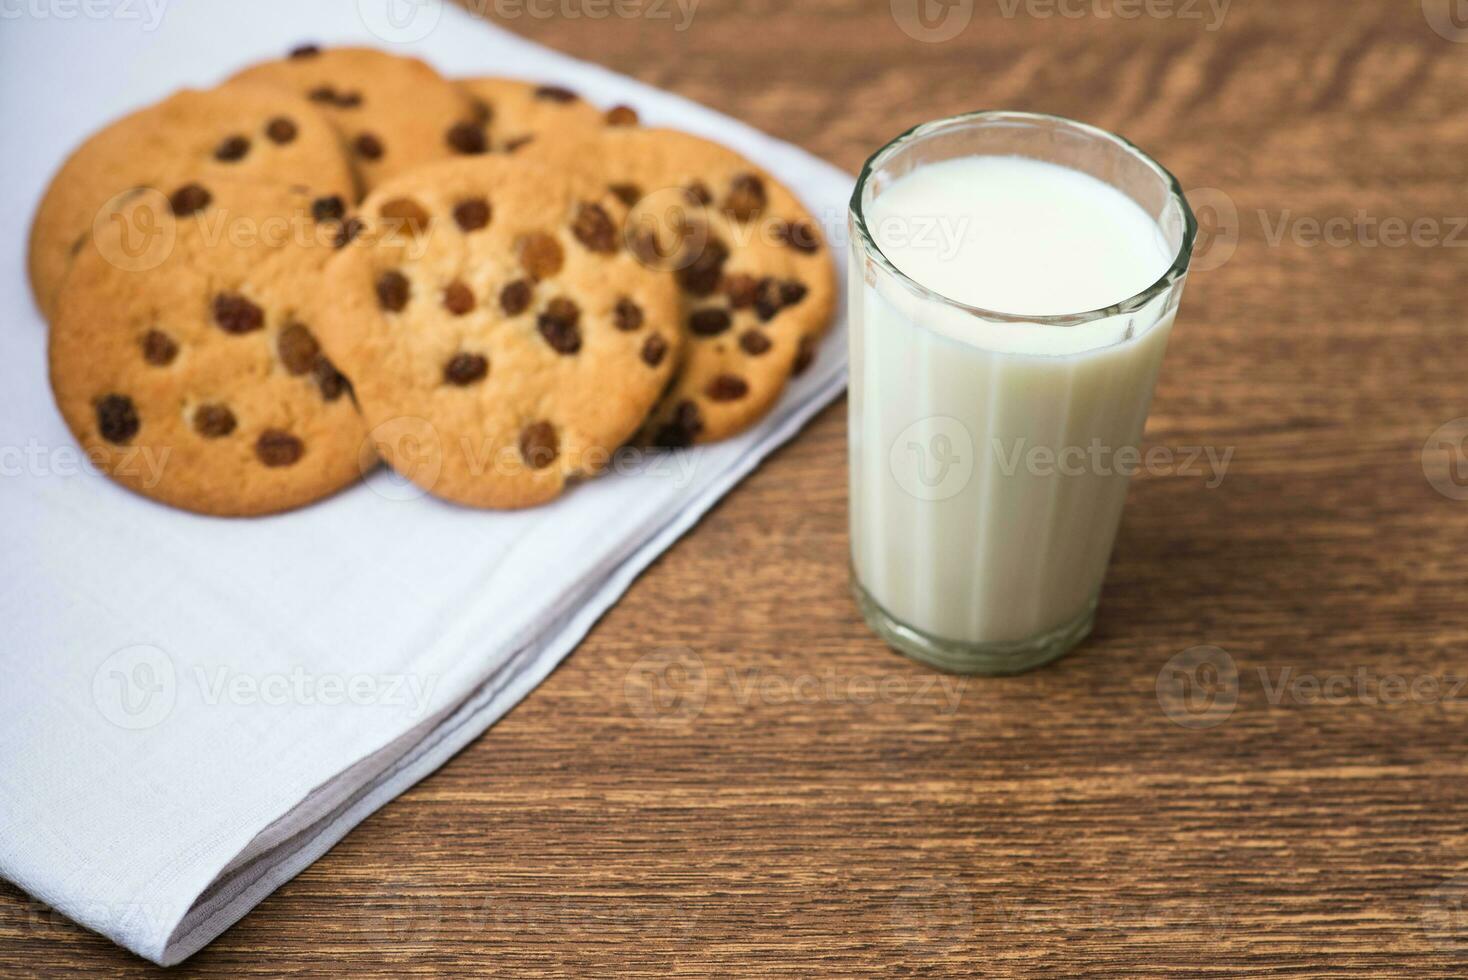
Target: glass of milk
{"type": "Point", "coordinates": [1014, 281]}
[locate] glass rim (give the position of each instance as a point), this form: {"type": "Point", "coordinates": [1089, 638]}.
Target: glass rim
{"type": "Point", "coordinates": [1131, 304]}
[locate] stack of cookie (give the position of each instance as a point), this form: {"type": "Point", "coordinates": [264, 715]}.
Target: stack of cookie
{"type": "Point", "coordinates": [259, 291]}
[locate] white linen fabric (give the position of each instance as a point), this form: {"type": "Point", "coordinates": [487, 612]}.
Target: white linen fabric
{"type": "Point", "coordinates": [194, 709]}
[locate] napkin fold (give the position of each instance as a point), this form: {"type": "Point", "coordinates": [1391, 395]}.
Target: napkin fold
{"type": "Point", "coordinates": [192, 710]}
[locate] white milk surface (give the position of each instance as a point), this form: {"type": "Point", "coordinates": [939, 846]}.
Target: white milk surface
{"type": "Point", "coordinates": [1018, 236]}
{"type": "Point", "coordinates": [989, 463]}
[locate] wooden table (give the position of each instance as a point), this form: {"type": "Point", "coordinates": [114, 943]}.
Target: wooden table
{"type": "Point", "coordinates": [732, 775]}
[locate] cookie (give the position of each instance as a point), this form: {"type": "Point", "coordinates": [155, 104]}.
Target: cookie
{"type": "Point", "coordinates": [501, 338]}
{"type": "Point", "coordinates": [393, 113]}
{"type": "Point", "coordinates": [754, 271]}
{"type": "Point", "coordinates": [191, 372]}
{"type": "Point", "coordinates": [515, 113]}
{"type": "Point", "coordinates": [234, 130]}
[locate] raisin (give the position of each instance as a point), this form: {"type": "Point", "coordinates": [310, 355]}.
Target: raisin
{"type": "Point", "coordinates": [746, 197]}
{"type": "Point", "coordinates": [539, 445]}
{"type": "Point", "coordinates": [403, 214]}
{"type": "Point", "coordinates": [791, 292]}
{"type": "Point", "coordinates": [701, 276]}
{"type": "Point", "coordinates": [472, 214]}
{"type": "Point", "coordinates": [331, 381]}
{"type": "Point", "coordinates": [768, 300]}
{"type": "Point", "coordinates": [680, 430]}
{"type": "Point", "coordinates": [235, 314]}
{"type": "Point", "coordinates": [799, 235]}
{"type": "Point", "coordinates": [458, 298]}
{"type": "Point", "coordinates": [465, 369]}
{"type": "Point", "coordinates": [594, 228]}
{"type": "Point", "coordinates": [558, 324]}
{"type": "Point", "coordinates": [709, 322]}
{"type": "Point", "coordinates": [564, 310]}
{"type": "Point", "coordinates": [331, 208]}
{"type": "Point", "coordinates": [512, 145]}
{"type": "Point", "coordinates": [686, 415]}
{"type": "Point", "coordinates": [117, 418]}
{"type": "Point", "coordinates": [628, 194]}
{"type": "Point", "coordinates": [515, 297]}
{"type": "Point", "coordinates": [214, 421]}
{"type": "Point", "coordinates": [742, 290]}
{"type": "Point", "coordinates": [627, 315]}
{"type": "Point", "coordinates": [297, 348]}
{"type": "Point", "coordinates": [393, 290]}
{"type": "Point", "coordinates": [727, 388]}
{"type": "Point", "coordinates": [368, 147]}
{"type": "Point", "coordinates": [232, 149]}
{"type": "Point", "coordinates": [188, 199]}
{"type": "Point", "coordinates": [805, 355]}
{"type": "Point", "coordinates": [467, 138]}
{"type": "Point", "coordinates": [621, 115]}
{"type": "Point", "coordinates": [698, 193]}
{"type": "Point", "coordinates": [540, 255]}
{"type": "Point", "coordinates": [159, 349]}
{"type": "Point", "coordinates": [644, 246]}
{"type": "Point", "coordinates": [483, 111]}
{"type": "Point", "coordinates": [754, 343]}
{"type": "Point", "coordinates": [278, 448]}
{"type": "Point", "coordinates": [280, 130]}
{"type": "Point", "coordinates": [349, 230]}
{"type": "Point", "coordinates": [555, 93]}
{"type": "Point", "coordinates": [330, 96]}
{"type": "Point", "coordinates": [654, 349]}
{"type": "Point", "coordinates": [306, 51]}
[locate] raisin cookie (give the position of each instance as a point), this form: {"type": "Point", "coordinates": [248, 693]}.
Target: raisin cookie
{"type": "Point", "coordinates": [514, 112]}
{"type": "Point", "coordinates": [756, 280]}
{"type": "Point", "coordinates": [235, 130]}
{"type": "Point", "coordinates": [195, 377]}
{"type": "Point", "coordinates": [393, 113]}
{"type": "Point", "coordinates": [501, 338]}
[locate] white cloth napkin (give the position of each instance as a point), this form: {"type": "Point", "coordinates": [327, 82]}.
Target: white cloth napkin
{"type": "Point", "coordinates": [192, 709]}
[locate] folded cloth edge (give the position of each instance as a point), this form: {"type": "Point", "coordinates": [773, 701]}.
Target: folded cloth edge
{"type": "Point", "coordinates": [222, 906]}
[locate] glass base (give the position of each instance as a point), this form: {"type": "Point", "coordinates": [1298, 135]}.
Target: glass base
{"type": "Point", "coordinates": [994, 659]}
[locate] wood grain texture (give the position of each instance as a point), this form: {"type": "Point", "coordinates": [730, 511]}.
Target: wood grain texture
{"type": "Point", "coordinates": [795, 799]}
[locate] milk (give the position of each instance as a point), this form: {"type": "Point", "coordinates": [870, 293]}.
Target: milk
{"type": "Point", "coordinates": [989, 458]}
